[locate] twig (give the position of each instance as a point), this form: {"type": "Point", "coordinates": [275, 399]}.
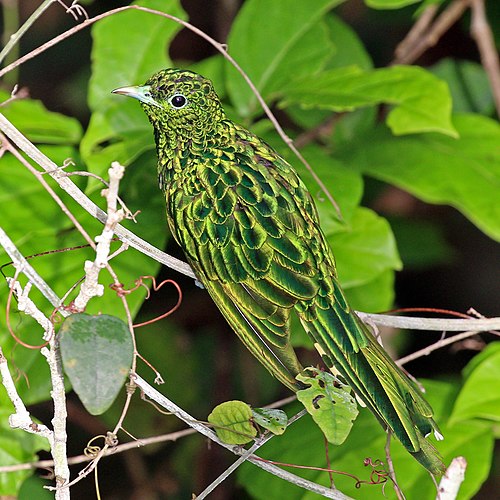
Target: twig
{"type": "Point", "coordinates": [440, 26]}
{"type": "Point", "coordinates": [202, 429]}
{"type": "Point", "coordinates": [437, 324]}
{"type": "Point", "coordinates": [438, 345]}
{"type": "Point", "coordinates": [481, 32]}
{"type": "Point", "coordinates": [243, 458]}
{"type": "Point", "coordinates": [22, 30]}
{"type": "Point", "coordinates": [69, 187]}
{"type": "Point", "coordinates": [58, 436]}
{"type": "Point", "coordinates": [390, 467]}
{"type": "Point", "coordinates": [218, 46]}
{"type": "Point", "coordinates": [21, 419]}
{"type": "Point", "coordinates": [452, 479]}
{"type": "Point", "coordinates": [21, 263]}
{"type": "Point", "coordinates": [79, 459]}
{"type": "Point", "coordinates": [91, 286]}
{"type": "Point", "coordinates": [417, 31]}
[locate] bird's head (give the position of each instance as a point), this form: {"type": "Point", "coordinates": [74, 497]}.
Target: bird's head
{"type": "Point", "coordinates": [179, 103]}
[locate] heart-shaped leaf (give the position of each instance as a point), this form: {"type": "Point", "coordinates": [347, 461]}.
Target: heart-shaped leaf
{"type": "Point", "coordinates": [97, 353]}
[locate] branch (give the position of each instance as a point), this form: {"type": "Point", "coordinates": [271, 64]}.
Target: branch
{"type": "Point", "coordinates": [22, 30]}
{"type": "Point", "coordinates": [438, 345]}
{"type": "Point", "coordinates": [218, 46]}
{"type": "Point", "coordinates": [21, 419]}
{"type": "Point", "coordinates": [91, 286]}
{"type": "Point", "coordinates": [25, 267]}
{"type": "Point", "coordinates": [453, 478]}
{"type": "Point", "coordinates": [426, 40]}
{"type": "Point", "coordinates": [481, 32]}
{"type": "Point", "coordinates": [436, 324]}
{"type": "Point", "coordinates": [203, 429]}
{"type": "Point", "coordinates": [69, 187]}
{"type": "Point", "coordinates": [57, 437]}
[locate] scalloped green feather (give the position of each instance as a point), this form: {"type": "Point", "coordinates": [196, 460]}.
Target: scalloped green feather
{"type": "Point", "coordinates": [251, 232]}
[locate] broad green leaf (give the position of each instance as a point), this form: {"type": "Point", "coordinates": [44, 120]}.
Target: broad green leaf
{"type": "Point", "coordinates": [124, 55]}
{"type": "Point", "coordinates": [478, 399]}
{"type": "Point", "coordinates": [346, 186]}
{"type": "Point", "coordinates": [376, 295]}
{"type": "Point", "coordinates": [272, 419]}
{"type": "Point", "coordinates": [268, 55]}
{"type": "Point", "coordinates": [120, 133]}
{"type": "Point", "coordinates": [464, 172]}
{"type": "Point", "coordinates": [97, 354]}
{"type": "Point", "coordinates": [364, 249]}
{"type": "Point", "coordinates": [469, 85]}
{"type": "Point", "coordinates": [232, 422]}
{"type": "Point", "coordinates": [34, 488]}
{"type": "Point", "coordinates": [349, 47]}
{"type": "Point", "coordinates": [329, 402]}
{"type": "Point", "coordinates": [40, 125]}
{"type": "Point", "coordinates": [422, 102]}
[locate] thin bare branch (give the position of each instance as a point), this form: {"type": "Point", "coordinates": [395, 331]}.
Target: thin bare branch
{"type": "Point", "coordinates": [441, 25]}
{"type": "Point", "coordinates": [170, 406]}
{"type": "Point", "coordinates": [483, 36]}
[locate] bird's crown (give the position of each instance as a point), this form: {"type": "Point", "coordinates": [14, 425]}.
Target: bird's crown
{"type": "Point", "coordinates": [178, 100]}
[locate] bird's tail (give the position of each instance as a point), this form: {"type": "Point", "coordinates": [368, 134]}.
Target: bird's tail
{"type": "Point", "coordinates": [348, 347]}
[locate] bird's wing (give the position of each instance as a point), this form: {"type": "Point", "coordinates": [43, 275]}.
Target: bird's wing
{"type": "Point", "coordinates": [246, 236]}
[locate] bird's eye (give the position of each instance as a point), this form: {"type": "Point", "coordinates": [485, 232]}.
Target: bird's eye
{"type": "Point", "coordinates": [178, 101]}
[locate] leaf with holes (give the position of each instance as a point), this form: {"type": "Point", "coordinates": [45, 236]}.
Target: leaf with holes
{"type": "Point", "coordinates": [271, 419]}
{"type": "Point", "coordinates": [329, 402]}
{"type": "Point", "coordinates": [232, 421]}
{"type": "Point", "coordinates": [97, 354]}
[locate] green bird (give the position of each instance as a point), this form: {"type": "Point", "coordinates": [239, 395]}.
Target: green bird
{"type": "Point", "coordinates": [251, 233]}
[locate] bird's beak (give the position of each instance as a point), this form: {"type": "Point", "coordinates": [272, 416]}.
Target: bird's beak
{"type": "Point", "coordinates": [142, 94]}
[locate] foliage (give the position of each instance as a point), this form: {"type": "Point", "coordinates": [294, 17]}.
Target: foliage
{"type": "Point", "coordinates": [429, 132]}
{"type": "Point", "coordinates": [97, 353]}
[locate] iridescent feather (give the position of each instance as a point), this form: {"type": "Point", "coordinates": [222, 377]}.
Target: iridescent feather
{"type": "Point", "coordinates": [250, 231]}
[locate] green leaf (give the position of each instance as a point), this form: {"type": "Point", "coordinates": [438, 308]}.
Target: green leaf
{"type": "Point", "coordinates": [469, 85]}
{"type": "Point", "coordinates": [120, 133]}
{"type": "Point", "coordinates": [477, 399]}
{"type": "Point", "coordinates": [269, 55]}
{"type": "Point", "coordinates": [464, 172]}
{"type": "Point", "coordinates": [233, 422]}
{"type": "Point", "coordinates": [272, 419]}
{"type": "Point", "coordinates": [389, 4]}
{"type": "Point", "coordinates": [375, 295]}
{"type": "Point", "coordinates": [302, 444]}
{"type": "Point", "coordinates": [34, 488]}
{"type": "Point", "coordinates": [97, 353]}
{"type": "Point", "coordinates": [40, 125]}
{"type": "Point", "coordinates": [422, 102]}
{"type": "Point", "coordinates": [349, 47]}
{"type": "Point", "coordinates": [346, 186]}
{"type": "Point", "coordinates": [329, 402]}
{"type": "Point", "coordinates": [364, 249]}
{"type": "Point", "coordinates": [124, 55]}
